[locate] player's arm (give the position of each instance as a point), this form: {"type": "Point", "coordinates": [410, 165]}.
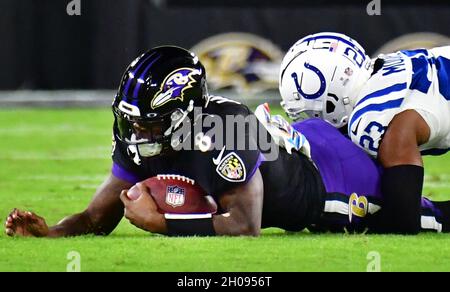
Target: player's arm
{"type": "Point", "coordinates": [101, 216]}
{"type": "Point", "coordinates": [244, 209]}
{"type": "Point", "coordinates": [243, 205]}
{"type": "Point", "coordinates": [402, 179]}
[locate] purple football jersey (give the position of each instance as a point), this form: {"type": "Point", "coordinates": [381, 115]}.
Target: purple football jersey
{"type": "Point", "coordinates": [344, 167]}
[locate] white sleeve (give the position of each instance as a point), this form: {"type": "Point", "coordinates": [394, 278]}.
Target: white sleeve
{"type": "Point", "coordinates": [435, 110]}
{"type": "Point", "coordinates": [368, 130]}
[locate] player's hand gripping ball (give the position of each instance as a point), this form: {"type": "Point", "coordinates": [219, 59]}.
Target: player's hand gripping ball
{"type": "Point", "coordinates": [176, 194]}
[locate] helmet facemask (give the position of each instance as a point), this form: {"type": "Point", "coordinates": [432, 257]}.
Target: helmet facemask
{"type": "Point", "coordinates": [298, 108]}
{"type": "Point", "coordinates": [151, 136]}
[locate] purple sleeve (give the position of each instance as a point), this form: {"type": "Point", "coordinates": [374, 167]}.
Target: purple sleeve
{"type": "Point", "coordinates": [344, 167]}
{"type": "Point", "coordinates": [124, 174]}
{"type": "Point", "coordinates": [256, 166]}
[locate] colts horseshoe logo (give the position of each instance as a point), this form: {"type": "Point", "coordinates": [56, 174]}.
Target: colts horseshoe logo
{"type": "Point", "coordinates": [321, 78]}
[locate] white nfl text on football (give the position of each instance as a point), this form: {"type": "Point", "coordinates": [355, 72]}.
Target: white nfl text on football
{"type": "Point", "coordinates": [175, 196]}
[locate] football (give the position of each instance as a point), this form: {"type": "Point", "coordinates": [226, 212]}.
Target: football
{"type": "Point", "coordinates": [176, 194]}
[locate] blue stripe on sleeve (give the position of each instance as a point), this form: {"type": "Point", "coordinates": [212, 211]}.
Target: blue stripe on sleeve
{"type": "Point", "coordinates": [378, 107]}
{"type": "Point", "coordinates": [384, 91]}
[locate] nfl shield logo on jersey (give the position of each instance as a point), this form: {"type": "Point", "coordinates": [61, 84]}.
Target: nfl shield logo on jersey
{"type": "Point", "coordinates": [175, 196]}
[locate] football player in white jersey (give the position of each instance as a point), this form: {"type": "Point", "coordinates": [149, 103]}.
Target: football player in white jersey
{"type": "Point", "coordinates": [396, 107]}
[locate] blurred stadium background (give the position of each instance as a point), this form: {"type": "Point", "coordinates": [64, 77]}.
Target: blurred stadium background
{"type": "Point", "coordinates": [52, 160]}
{"type": "Point", "coordinates": [42, 48]}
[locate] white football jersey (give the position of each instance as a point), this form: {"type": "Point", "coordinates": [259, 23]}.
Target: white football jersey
{"type": "Point", "coordinates": [418, 80]}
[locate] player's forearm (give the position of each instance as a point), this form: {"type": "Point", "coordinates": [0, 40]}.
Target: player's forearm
{"type": "Point", "coordinates": [244, 205]}
{"type": "Point", "coordinates": [228, 225]}
{"type": "Point", "coordinates": [74, 225]}
{"type": "Point", "coordinates": [400, 144]}
{"type": "Point", "coordinates": [101, 216]}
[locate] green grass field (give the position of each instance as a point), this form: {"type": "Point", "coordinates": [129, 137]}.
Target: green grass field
{"type": "Point", "coordinates": [51, 162]}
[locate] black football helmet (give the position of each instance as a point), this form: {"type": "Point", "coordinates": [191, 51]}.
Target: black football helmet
{"type": "Point", "coordinates": [158, 92]}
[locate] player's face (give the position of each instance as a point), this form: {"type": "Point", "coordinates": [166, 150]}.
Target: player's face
{"type": "Point", "coordinates": [138, 131]}
{"type": "Point", "coordinates": [149, 131]}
